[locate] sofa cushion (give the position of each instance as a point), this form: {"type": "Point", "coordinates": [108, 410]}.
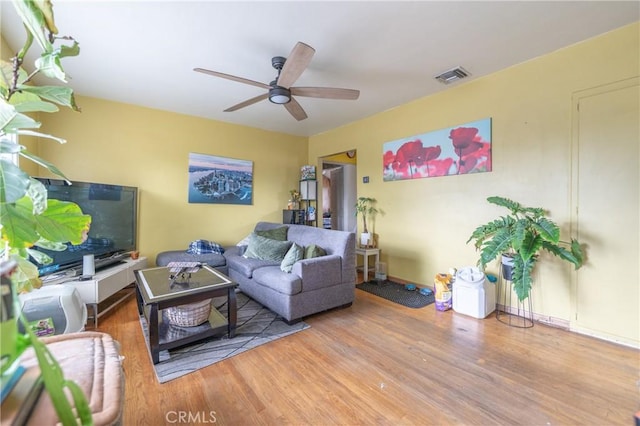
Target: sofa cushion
{"type": "Point", "coordinates": [266, 248]}
{"type": "Point", "coordinates": [279, 234]}
{"type": "Point", "coordinates": [295, 253]}
{"type": "Point", "coordinates": [273, 278]}
{"type": "Point", "coordinates": [313, 250]}
{"type": "Point", "coordinates": [246, 266]}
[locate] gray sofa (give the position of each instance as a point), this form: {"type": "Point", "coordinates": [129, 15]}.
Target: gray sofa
{"type": "Point", "coordinates": [313, 285]}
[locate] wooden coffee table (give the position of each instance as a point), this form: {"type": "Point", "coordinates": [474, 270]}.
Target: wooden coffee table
{"type": "Point", "coordinates": [159, 288]}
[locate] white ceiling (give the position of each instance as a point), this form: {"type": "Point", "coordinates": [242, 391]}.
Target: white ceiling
{"type": "Point", "coordinates": [144, 52]}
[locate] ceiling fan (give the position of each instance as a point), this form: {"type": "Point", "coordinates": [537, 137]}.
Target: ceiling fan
{"type": "Point", "coordinates": [280, 90]}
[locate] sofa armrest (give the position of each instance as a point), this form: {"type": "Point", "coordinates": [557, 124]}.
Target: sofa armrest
{"type": "Point", "coordinates": [234, 251]}
{"type": "Point", "coordinates": [319, 272]}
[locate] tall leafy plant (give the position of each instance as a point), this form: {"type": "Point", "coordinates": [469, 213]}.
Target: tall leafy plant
{"type": "Point", "coordinates": [27, 218]}
{"type": "Point", "coordinates": [523, 234]}
{"type": "Point", "coordinates": [366, 207]}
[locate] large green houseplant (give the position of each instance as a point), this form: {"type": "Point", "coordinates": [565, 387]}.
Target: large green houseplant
{"type": "Point", "coordinates": [522, 235]}
{"type": "Point", "coordinates": [27, 218]}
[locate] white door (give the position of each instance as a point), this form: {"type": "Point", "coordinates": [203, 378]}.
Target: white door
{"type": "Point", "coordinates": [607, 206]}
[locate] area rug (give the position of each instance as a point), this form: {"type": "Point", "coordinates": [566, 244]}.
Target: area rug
{"type": "Point", "coordinates": [256, 325]}
{"type": "Point", "coordinates": [397, 293]}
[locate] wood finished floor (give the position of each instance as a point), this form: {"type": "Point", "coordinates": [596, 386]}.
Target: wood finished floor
{"type": "Point", "coordinates": [380, 363]}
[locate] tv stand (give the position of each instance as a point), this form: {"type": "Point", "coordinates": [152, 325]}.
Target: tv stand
{"type": "Point", "coordinates": [105, 286]}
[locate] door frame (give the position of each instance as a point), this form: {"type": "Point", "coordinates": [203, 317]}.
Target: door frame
{"type": "Point", "coordinates": [576, 97]}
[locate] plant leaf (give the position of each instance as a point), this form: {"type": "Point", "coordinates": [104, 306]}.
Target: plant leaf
{"type": "Point", "coordinates": [18, 224]}
{"type": "Point", "coordinates": [41, 135]}
{"type": "Point", "coordinates": [522, 279]}
{"type": "Point", "coordinates": [547, 229]}
{"type": "Point", "coordinates": [73, 50]}
{"type": "Point", "coordinates": [20, 121]}
{"type": "Point", "coordinates": [13, 182]}
{"type": "Point", "coordinates": [494, 247]}
{"type": "Point", "coordinates": [49, 64]}
{"type": "Point", "coordinates": [7, 113]}
{"type": "Point", "coordinates": [562, 253]}
{"type": "Point", "coordinates": [49, 166]}
{"type": "Point", "coordinates": [60, 95]}
{"type": "Point", "coordinates": [519, 234]}
{"type": "Point", "coordinates": [62, 221]}
{"type": "Point", "coordinates": [40, 257]}
{"type": "Point", "coordinates": [25, 277]}
{"type": "Point", "coordinates": [27, 102]}
{"type": "Point", "coordinates": [46, 8]}
{"type": "Point", "coordinates": [34, 22]}
{"type": "Point", "coordinates": [530, 246]}
{"type": "Point", "coordinates": [483, 232]}
{"type": "Point", "coordinates": [38, 195]}
{"type": "Point", "coordinates": [514, 206]}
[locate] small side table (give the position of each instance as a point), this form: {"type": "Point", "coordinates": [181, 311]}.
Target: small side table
{"type": "Point", "coordinates": [365, 253]}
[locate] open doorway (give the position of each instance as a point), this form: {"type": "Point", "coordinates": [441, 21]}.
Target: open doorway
{"type": "Point", "coordinates": [339, 191]}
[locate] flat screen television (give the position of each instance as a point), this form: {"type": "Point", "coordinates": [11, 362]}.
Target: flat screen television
{"type": "Point", "coordinates": [114, 212]}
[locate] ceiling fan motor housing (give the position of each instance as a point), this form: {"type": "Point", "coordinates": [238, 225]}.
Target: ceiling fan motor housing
{"type": "Point", "coordinates": [278, 62]}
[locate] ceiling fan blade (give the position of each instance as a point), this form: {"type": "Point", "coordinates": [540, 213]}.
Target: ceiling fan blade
{"type": "Point", "coordinates": [247, 102]}
{"type": "Point", "coordinates": [295, 64]}
{"type": "Point", "coordinates": [295, 109]}
{"type": "Point", "coordinates": [232, 77]}
{"type": "Point", "coordinates": [326, 92]}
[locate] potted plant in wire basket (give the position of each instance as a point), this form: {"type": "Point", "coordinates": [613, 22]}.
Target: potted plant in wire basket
{"type": "Point", "coordinates": [521, 236]}
{"type": "Point", "coordinates": [27, 218]}
{"type": "Point", "coordinates": [366, 207]}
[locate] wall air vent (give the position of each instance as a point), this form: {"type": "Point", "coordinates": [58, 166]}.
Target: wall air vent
{"type": "Point", "coordinates": [452, 75]}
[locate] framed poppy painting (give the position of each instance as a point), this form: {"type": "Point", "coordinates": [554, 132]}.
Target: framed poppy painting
{"type": "Point", "coordinates": [455, 150]}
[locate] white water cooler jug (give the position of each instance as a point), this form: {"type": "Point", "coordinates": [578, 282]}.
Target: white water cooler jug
{"type": "Point", "coordinates": [473, 294]}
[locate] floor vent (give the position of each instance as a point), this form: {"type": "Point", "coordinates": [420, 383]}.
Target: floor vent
{"type": "Point", "coordinates": [452, 75]}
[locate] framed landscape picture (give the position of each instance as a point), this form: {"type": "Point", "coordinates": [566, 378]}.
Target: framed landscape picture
{"type": "Point", "coordinates": [454, 150]}
{"type": "Point", "coordinates": [220, 180]}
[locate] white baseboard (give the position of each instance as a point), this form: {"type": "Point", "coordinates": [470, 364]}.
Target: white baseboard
{"type": "Point", "coordinates": [543, 319]}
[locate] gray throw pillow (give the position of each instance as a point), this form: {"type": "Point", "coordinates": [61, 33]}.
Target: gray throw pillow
{"type": "Point", "coordinates": [266, 249]}
{"type": "Point", "coordinates": [294, 254]}
{"type": "Point", "coordinates": [279, 234]}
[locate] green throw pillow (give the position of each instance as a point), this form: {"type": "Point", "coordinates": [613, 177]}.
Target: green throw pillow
{"type": "Point", "coordinates": [266, 248]}
{"type": "Point", "coordinates": [279, 234]}
{"type": "Point", "coordinates": [313, 251]}
{"type": "Point", "coordinates": [294, 254]}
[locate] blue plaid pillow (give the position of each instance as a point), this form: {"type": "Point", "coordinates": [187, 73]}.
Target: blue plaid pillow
{"type": "Point", "coordinates": [204, 247]}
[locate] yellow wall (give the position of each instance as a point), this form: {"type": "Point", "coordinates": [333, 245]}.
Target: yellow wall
{"type": "Point", "coordinates": [122, 144]}
{"type": "Point", "coordinates": [428, 221]}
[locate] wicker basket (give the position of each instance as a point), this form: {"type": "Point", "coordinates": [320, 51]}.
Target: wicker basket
{"type": "Point", "coordinates": [189, 315]}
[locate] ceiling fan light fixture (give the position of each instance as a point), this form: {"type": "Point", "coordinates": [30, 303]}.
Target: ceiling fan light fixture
{"type": "Point", "coordinates": [279, 95]}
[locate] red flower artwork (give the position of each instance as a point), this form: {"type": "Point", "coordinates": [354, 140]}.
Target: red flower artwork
{"type": "Point", "coordinates": [468, 153]}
